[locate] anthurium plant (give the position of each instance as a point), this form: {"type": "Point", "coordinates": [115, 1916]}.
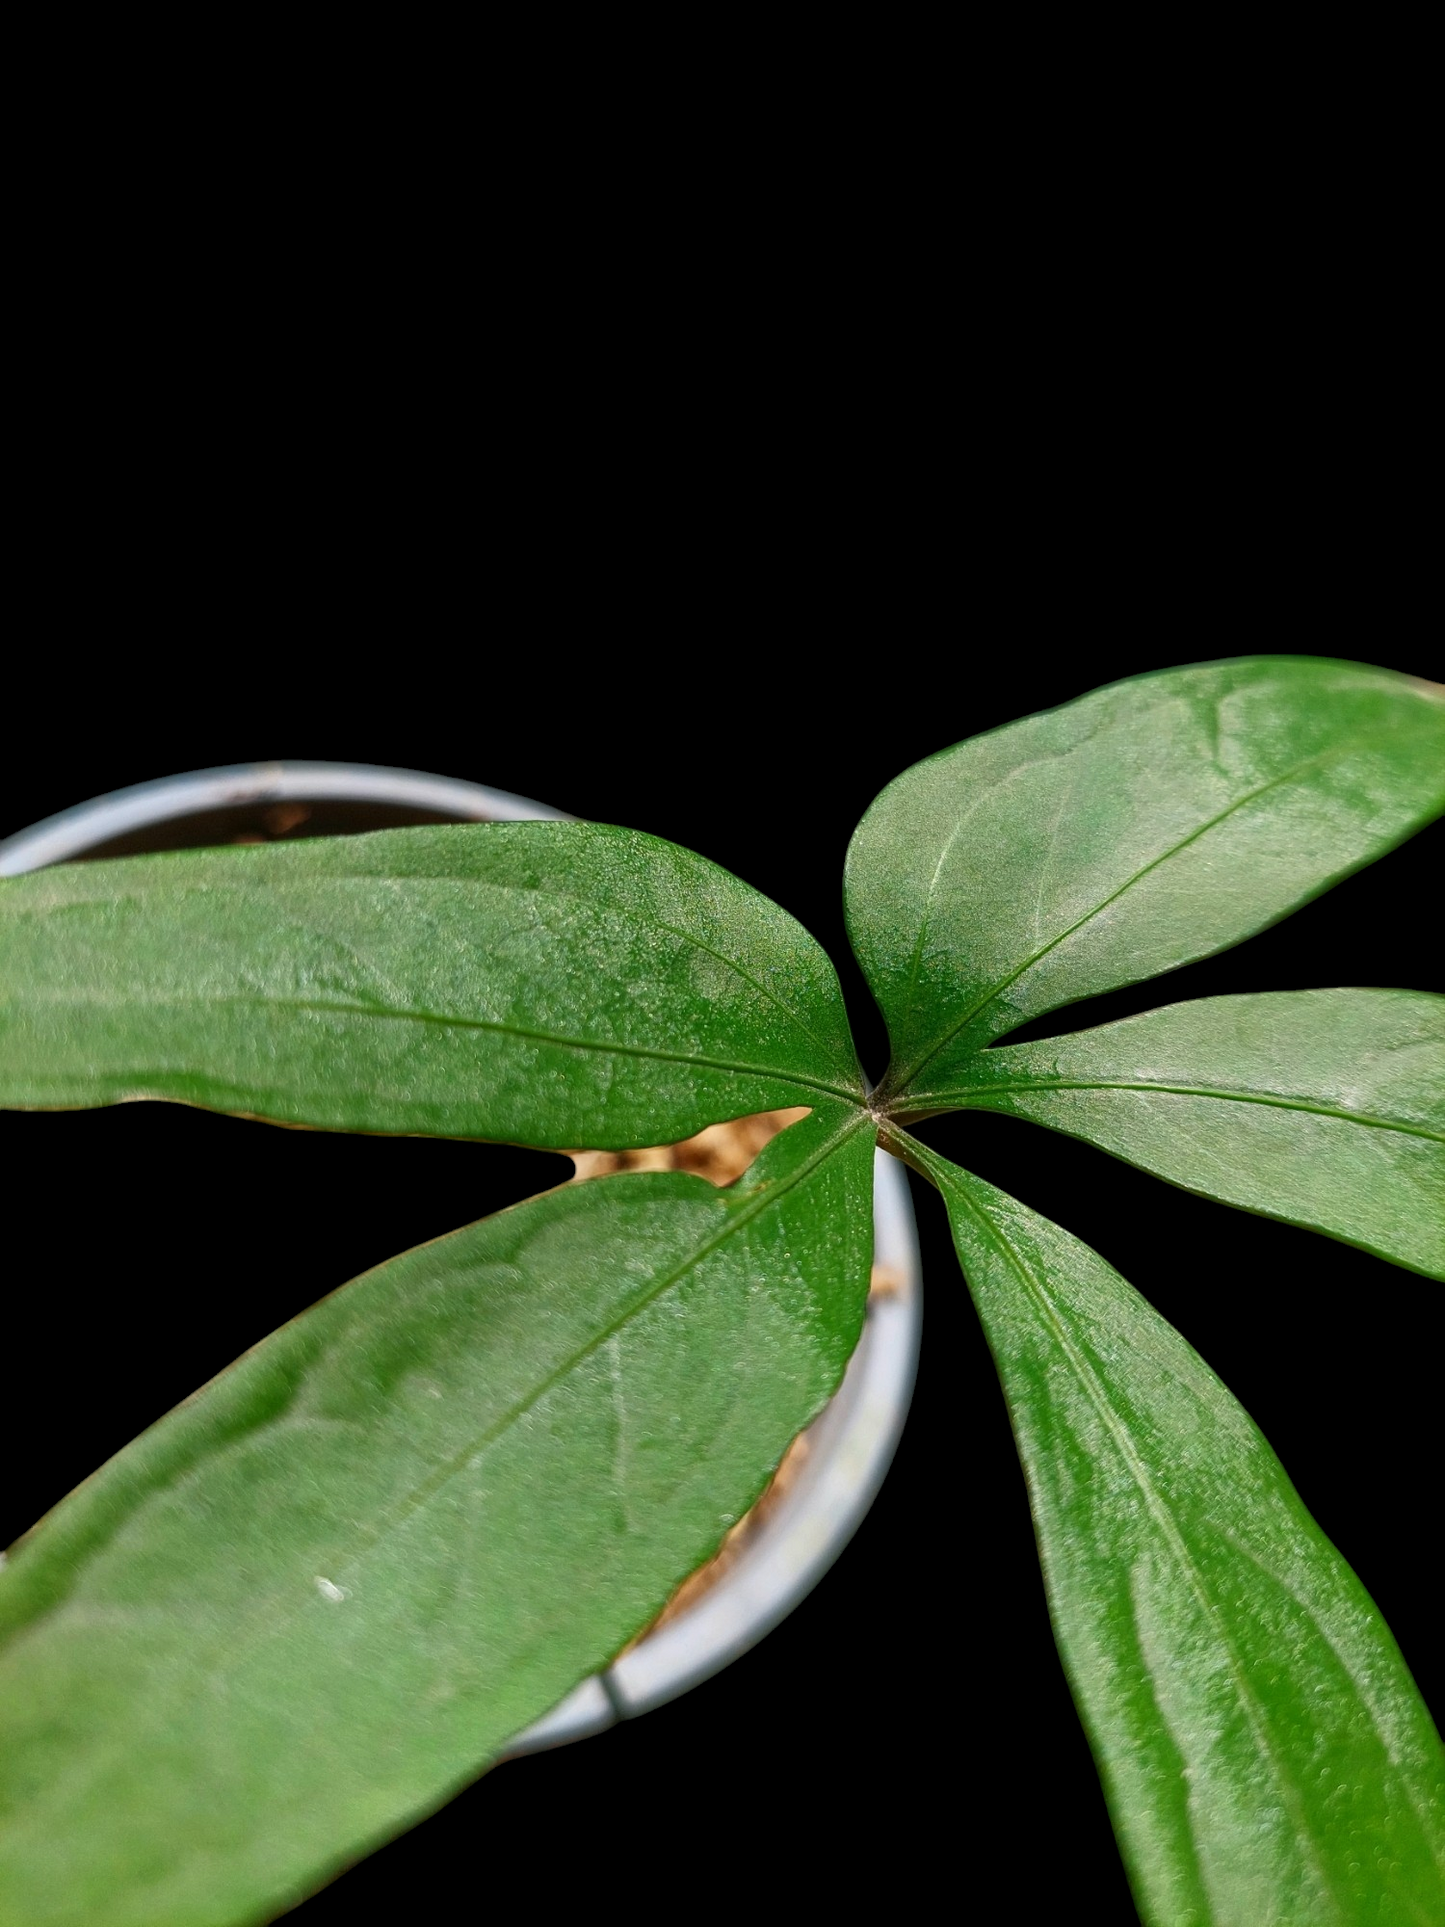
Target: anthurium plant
{"type": "Point", "coordinates": [324, 1593]}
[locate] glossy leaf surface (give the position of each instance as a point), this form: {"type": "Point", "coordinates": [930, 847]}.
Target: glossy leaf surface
{"type": "Point", "coordinates": [1263, 1749]}
{"type": "Point", "coordinates": [1325, 1107]}
{"type": "Point", "coordinates": [1146, 825]}
{"type": "Point", "coordinates": [555, 984]}
{"type": "Point", "coordinates": [313, 1601]}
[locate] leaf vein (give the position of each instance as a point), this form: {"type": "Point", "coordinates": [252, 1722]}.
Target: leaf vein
{"type": "Point", "coordinates": [1162, 1518]}
{"type": "Point", "coordinates": [427, 1488]}
{"type": "Point", "coordinates": [1203, 829]}
{"type": "Point", "coordinates": [966, 1097]}
{"type": "Point", "coordinates": [330, 1007]}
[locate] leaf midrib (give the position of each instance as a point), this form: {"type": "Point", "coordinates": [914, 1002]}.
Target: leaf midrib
{"type": "Point", "coordinates": [385, 1013]}
{"type": "Point", "coordinates": [1286, 776]}
{"type": "Point", "coordinates": [547, 892]}
{"type": "Point", "coordinates": [1162, 1518]}
{"type": "Point", "coordinates": [742, 1214]}
{"type": "Point", "coordinates": [965, 1097]}
{"type": "Point", "coordinates": [270, 1616]}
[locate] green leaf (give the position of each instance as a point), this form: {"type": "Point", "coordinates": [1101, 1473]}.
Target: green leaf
{"type": "Point", "coordinates": [314, 1600]}
{"type": "Point", "coordinates": [1146, 825]}
{"type": "Point", "coordinates": [1325, 1107]}
{"type": "Point", "coordinates": [1263, 1749]}
{"type": "Point", "coordinates": [554, 984]}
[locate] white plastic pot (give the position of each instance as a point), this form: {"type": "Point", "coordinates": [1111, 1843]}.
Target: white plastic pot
{"type": "Point", "coordinates": [849, 1445]}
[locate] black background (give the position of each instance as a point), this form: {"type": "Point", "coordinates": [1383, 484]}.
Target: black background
{"type": "Point", "coordinates": [909, 1722]}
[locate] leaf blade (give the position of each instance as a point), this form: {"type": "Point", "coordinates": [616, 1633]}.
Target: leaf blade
{"type": "Point", "coordinates": [1322, 1107]}
{"type": "Point", "coordinates": [313, 1601]}
{"type": "Point", "coordinates": [1262, 1746]}
{"type": "Point", "coordinates": [1148, 824]}
{"type": "Point", "coordinates": [546, 983]}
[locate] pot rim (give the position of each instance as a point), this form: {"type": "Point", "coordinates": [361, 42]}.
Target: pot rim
{"type": "Point", "coordinates": [851, 1442]}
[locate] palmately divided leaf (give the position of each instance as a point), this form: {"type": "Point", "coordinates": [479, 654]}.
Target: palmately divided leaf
{"type": "Point", "coordinates": [316, 1599]}
{"type": "Point", "coordinates": [1148, 824]}
{"type": "Point", "coordinates": [554, 984]}
{"type": "Point", "coordinates": [1324, 1107]}
{"type": "Point", "coordinates": [1263, 1749]}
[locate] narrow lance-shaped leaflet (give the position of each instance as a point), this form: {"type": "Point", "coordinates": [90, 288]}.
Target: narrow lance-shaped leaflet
{"type": "Point", "coordinates": [313, 1601]}
{"type": "Point", "coordinates": [1263, 1749]}
{"type": "Point", "coordinates": [553, 984]}
{"type": "Point", "coordinates": [1147, 824]}
{"type": "Point", "coordinates": [1322, 1107]}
